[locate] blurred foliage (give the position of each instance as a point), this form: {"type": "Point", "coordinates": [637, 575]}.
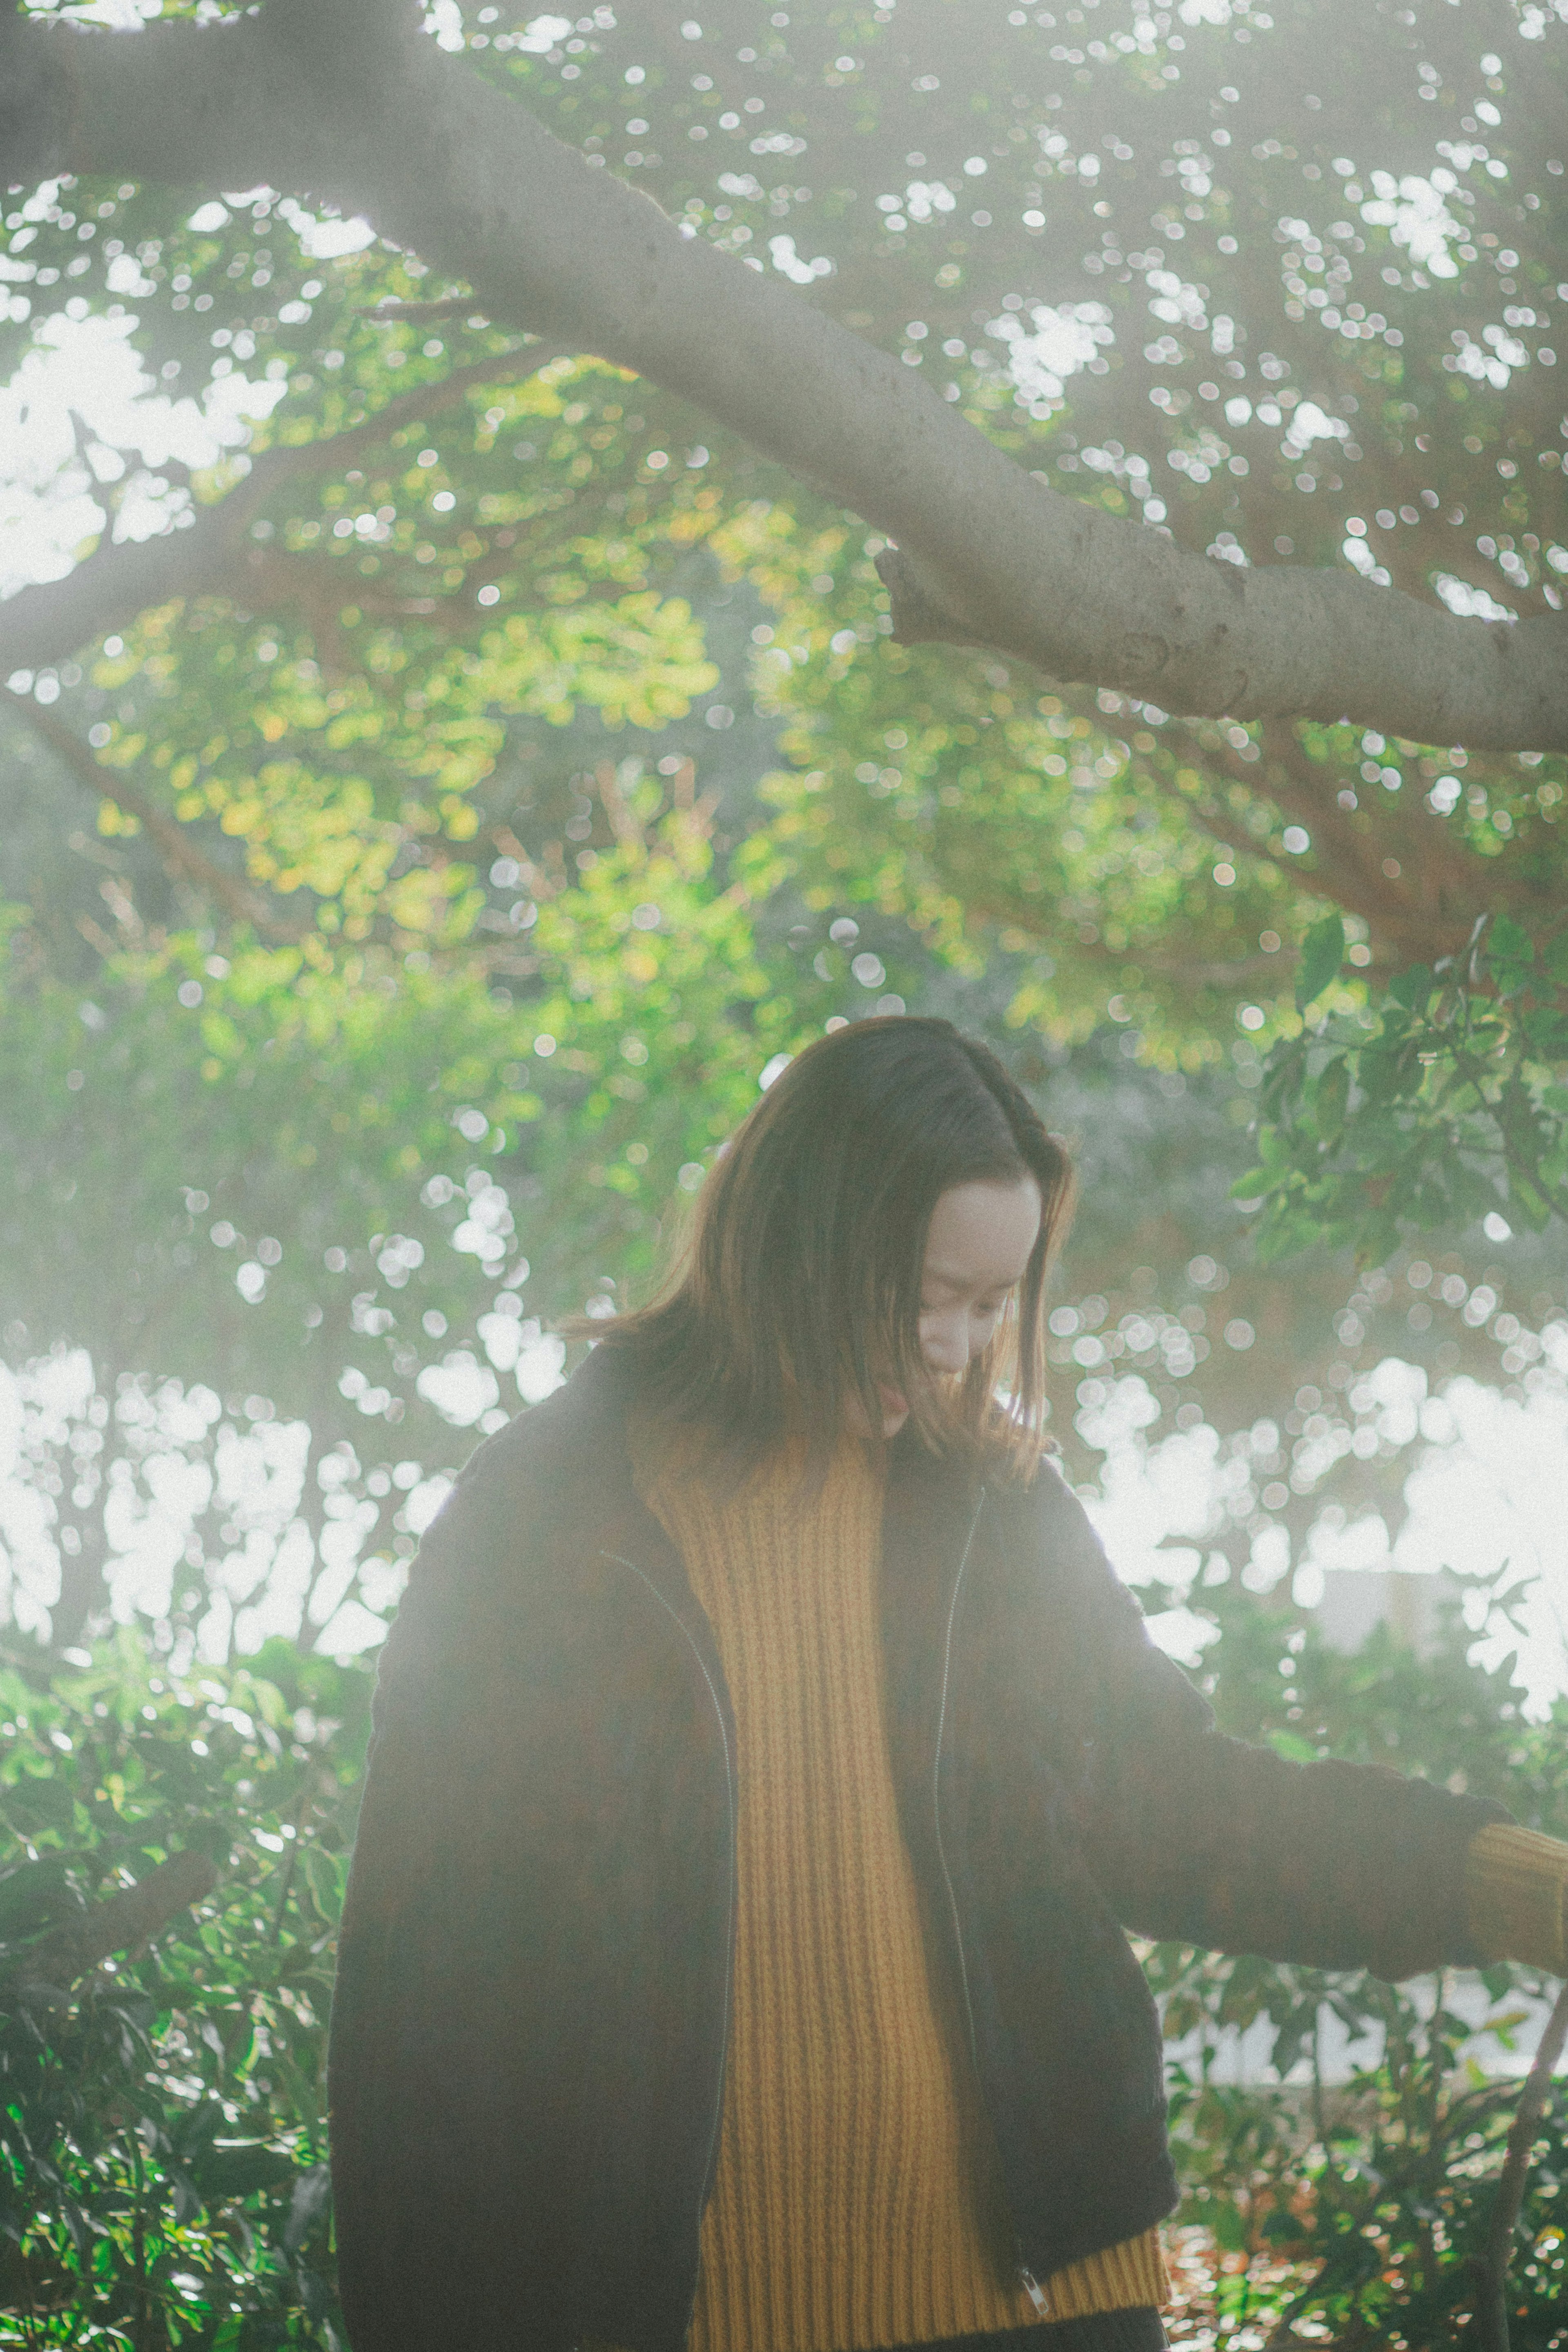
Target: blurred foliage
{"type": "Point", "coordinates": [427, 556]}
{"type": "Point", "coordinates": [1470, 1050]}
{"type": "Point", "coordinates": [409, 871]}
{"type": "Point", "coordinates": [211, 1514]}
{"type": "Point", "coordinates": [319, 1106]}
{"type": "Point", "coordinates": [461, 769]}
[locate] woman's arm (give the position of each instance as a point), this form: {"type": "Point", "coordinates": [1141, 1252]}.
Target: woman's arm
{"type": "Point", "coordinates": [1197, 1837]}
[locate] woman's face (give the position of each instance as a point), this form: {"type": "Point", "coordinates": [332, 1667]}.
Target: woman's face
{"type": "Point", "coordinates": [981, 1239]}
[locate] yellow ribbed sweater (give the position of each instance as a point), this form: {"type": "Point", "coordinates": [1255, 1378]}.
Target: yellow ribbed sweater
{"type": "Point", "coordinates": [1516, 1886]}
{"type": "Point", "coordinates": [850, 2210]}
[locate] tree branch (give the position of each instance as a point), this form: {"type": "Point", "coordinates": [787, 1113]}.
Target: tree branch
{"type": "Point", "coordinates": [1509, 1109]}
{"type": "Point", "coordinates": [128, 1919]}
{"type": "Point", "coordinates": [389, 311]}
{"type": "Point", "coordinates": [1491, 2312]}
{"type": "Point", "coordinates": [1425, 910]}
{"type": "Point", "coordinates": [444, 162]}
{"type": "Point", "coordinates": [178, 851]}
{"type": "Point", "coordinates": [208, 556]}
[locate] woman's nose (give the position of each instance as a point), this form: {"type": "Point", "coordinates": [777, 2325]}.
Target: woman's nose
{"type": "Point", "coordinates": [946, 1344]}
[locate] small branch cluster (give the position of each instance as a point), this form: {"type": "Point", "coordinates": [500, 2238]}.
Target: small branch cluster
{"type": "Point", "coordinates": [124, 1924]}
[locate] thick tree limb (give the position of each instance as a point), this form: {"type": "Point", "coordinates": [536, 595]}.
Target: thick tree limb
{"type": "Point", "coordinates": [379, 118]}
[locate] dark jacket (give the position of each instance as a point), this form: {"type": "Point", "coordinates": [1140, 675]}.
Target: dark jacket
{"type": "Point", "coordinates": [529, 2030]}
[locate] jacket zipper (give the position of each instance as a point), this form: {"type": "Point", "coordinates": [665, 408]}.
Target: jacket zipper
{"type": "Point", "coordinates": [730, 1906]}
{"type": "Point", "coordinates": [1027, 2279]}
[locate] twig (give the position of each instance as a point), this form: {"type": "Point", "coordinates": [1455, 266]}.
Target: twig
{"type": "Point", "coordinates": [622, 823]}
{"type": "Point", "coordinates": [275, 1930]}
{"type": "Point", "coordinates": [389, 310]}
{"type": "Point", "coordinates": [1517, 1155]}
{"type": "Point", "coordinates": [1491, 2308]}
{"type": "Point", "coordinates": [302, 1807]}
{"type": "Point", "coordinates": [174, 845]}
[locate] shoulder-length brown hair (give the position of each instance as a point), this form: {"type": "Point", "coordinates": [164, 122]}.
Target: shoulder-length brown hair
{"type": "Point", "coordinates": [797, 1284]}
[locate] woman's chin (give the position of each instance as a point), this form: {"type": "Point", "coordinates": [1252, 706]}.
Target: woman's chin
{"type": "Point", "coordinates": [895, 1409]}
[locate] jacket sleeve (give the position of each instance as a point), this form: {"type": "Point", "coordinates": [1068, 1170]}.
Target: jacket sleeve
{"type": "Point", "coordinates": [1197, 1837]}
{"type": "Point", "coordinates": [440, 1960]}
{"type": "Point", "coordinates": [525, 2036]}
{"type": "Point", "coordinates": [1516, 1885]}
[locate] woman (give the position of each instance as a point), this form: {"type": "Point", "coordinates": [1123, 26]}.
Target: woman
{"type": "Point", "coordinates": [766, 1765]}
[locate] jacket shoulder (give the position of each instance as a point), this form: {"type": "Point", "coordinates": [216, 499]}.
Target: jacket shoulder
{"type": "Point", "coordinates": [533, 1471]}
{"type": "Point", "coordinates": [1059, 1579]}
{"type": "Point", "coordinates": [489, 1571]}
{"type": "Point", "coordinates": [1043, 1519]}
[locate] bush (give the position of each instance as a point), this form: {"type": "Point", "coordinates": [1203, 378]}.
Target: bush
{"type": "Point", "coordinates": [1357, 2211]}
{"type": "Point", "coordinates": [163, 2136]}
{"type": "Point", "coordinates": [179, 1848]}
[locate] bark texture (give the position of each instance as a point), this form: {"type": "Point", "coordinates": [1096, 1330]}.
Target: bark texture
{"type": "Point", "coordinates": [347, 99]}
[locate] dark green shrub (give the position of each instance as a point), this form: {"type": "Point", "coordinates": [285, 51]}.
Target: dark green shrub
{"type": "Point", "coordinates": [1359, 2208]}
{"type": "Point", "coordinates": [162, 2138]}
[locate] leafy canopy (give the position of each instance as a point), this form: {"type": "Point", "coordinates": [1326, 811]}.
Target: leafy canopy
{"type": "Point", "coordinates": [456, 770]}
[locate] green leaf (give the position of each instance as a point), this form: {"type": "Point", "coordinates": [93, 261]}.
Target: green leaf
{"type": "Point", "coordinates": [1330, 1098]}
{"type": "Point", "coordinates": [312, 2195]}
{"type": "Point", "coordinates": [1412, 987]}
{"type": "Point", "coordinates": [327, 1875]}
{"type": "Point", "coordinates": [1511, 955]}
{"type": "Point", "coordinates": [1545, 1033]}
{"type": "Point", "coordinates": [1523, 1198]}
{"type": "Point", "coordinates": [1281, 2228]}
{"type": "Point", "coordinates": [1229, 2226]}
{"type": "Point", "coordinates": [1322, 952]}
{"type": "Point", "coordinates": [42, 1802]}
